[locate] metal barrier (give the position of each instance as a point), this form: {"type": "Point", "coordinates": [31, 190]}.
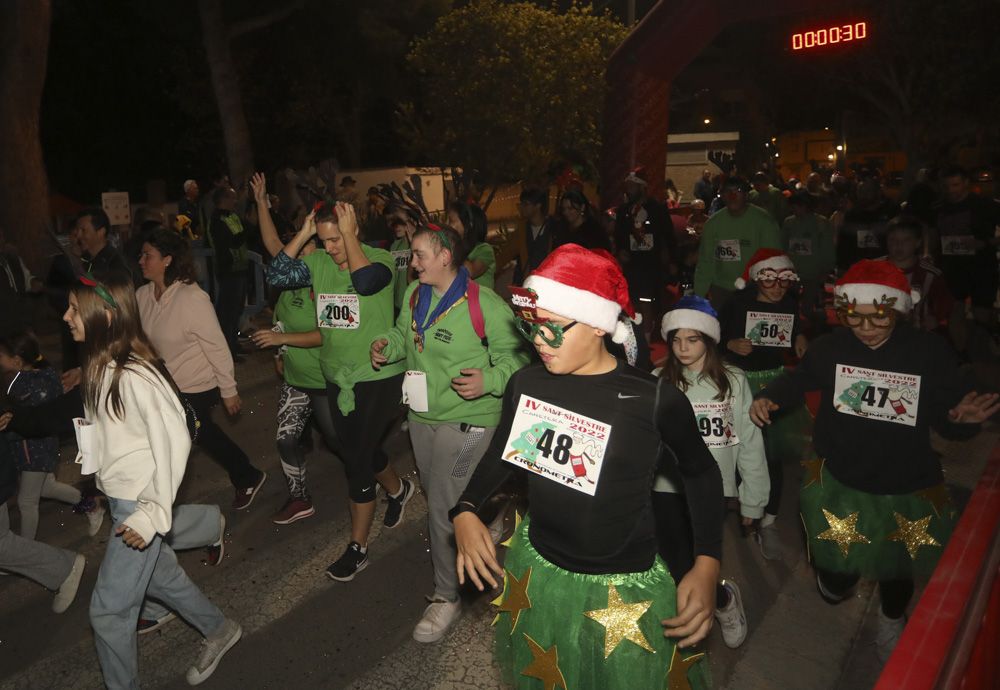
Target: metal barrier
{"type": "Point", "coordinates": [952, 640]}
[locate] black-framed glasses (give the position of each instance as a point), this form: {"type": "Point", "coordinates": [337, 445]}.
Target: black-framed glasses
{"type": "Point", "coordinates": [880, 319]}
{"type": "Point", "coordinates": [551, 333]}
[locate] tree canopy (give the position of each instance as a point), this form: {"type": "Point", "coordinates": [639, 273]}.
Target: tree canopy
{"type": "Point", "coordinates": [508, 88]}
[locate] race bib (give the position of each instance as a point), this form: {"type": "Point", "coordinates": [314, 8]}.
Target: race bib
{"type": "Point", "coordinates": [415, 390]}
{"type": "Point", "coordinates": [87, 455]}
{"type": "Point", "coordinates": [401, 258]}
{"type": "Point", "coordinates": [766, 329]}
{"type": "Point", "coordinates": [800, 246]}
{"type": "Point", "coordinates": [867, 240]}
{"type": "Point", "coordinates": [958, 245]}
{"type": "Point", "coordinates": [557, 444]}
{"type": "Point", "coordinates": [338, 311]}
{"type": "Point", "coordinates": [716, 423]}
{"type": "Point", "coordinates": [728, 250]}
{"type": "Point", "coordinates": [645, 246]}
{"type": "Point", "coordinates": [884, 396]}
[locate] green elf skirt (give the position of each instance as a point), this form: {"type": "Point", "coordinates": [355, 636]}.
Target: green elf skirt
{"type": "Point", "coordinates": [790, 433]}
{"type": "Point", "coordinates": [560, 629]}
{"type": "Point", "coordinates": [880, 537]}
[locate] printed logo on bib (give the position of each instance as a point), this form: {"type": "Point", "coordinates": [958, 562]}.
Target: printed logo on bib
{"type": "Point", "coordinates": [958, 245]}
{"type": "Point", "coordinates": [868, 240]}
{"type": "Point", "coordinates": [715, 422]}
{"type": "Point", "coordinates": [728, 250]}
{"type": "Point", "coordinates": [557, 444]}
{"type": "Point", "coordinates": [402, 259]}
{"type": "Point", "coordinates": [338, 311]}
{"type": "Point", "coordinates": [800, 246]}
{"type": "Point", "coordinates": [885, 396]}
{"type": "Point", "coordinates": [769, 330]}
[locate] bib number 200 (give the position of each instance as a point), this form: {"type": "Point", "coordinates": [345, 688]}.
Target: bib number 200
{"type": "Point", "coordinates": [337, 312]}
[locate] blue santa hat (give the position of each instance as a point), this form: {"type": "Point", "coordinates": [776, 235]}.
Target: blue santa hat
{"type": "Point", "coordinates": [695, 313]}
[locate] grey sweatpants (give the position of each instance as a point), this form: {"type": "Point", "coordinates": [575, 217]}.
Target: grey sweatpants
{"type": "Point", "coordinates": [193, 526]}
{"type": "Point", "coordinates": [446, 458]}
{"type": "Point", "coordinates": [35, 486]}
{"type": "Point", "coordinates": [47, 565]}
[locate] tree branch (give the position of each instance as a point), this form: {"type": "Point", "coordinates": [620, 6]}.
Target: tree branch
{"type": "Point", "coordinates": [264, 20]}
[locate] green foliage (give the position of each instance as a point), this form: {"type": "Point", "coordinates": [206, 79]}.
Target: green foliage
{"type": "Point", "coordinates": [506, 88]}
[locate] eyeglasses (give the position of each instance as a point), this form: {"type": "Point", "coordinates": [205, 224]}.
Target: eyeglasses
{"type": "Point", "coordinates": [769, 278]}
{"type": "Point", "coordinates": [880, 319]}
{"type": "Point", "coordinates": [551, 333]}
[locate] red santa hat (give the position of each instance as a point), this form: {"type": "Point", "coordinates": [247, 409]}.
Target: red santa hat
{"type": "Point", "coordinates": [767, 260]}
{"type": "Point", "coordinates": [637, 175]}
{"type": "Point", "coordinates": [584, 285]}
{"type": "Point", "coordinates": [876, 282]}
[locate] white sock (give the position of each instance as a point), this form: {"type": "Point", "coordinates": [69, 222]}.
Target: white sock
{"type": "Point", "coordinates": [768, 520]}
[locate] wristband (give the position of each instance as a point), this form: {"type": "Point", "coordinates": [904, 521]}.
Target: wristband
{"type": "Point", "coordinates": [460, 507]}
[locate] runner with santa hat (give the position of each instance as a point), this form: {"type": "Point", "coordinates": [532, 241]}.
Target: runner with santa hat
{"type": "Point", "coordinates": [761, 328]}
{"type": "Point", "coordinates": [873, 500]}
{"type": "Point", "coordinates": [587, 602]}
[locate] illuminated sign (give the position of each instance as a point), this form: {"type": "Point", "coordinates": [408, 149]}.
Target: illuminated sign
{"type": "Point", "coordinates": [843, 33]}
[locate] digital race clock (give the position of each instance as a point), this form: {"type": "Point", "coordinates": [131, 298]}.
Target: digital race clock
{"type": "Point", "coordinates": [842, 33]}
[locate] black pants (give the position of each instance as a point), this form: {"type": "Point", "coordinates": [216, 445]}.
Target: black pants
{"type": "Point", "coordinates": [776, 471]}
{"type": "Point", "coordinates": [214, 441]}
{"type": "Point", "coordinates": [229, 305]}
{"type": "Point", "coordinates": [895, 594]}
{"type": "Point", "coordinates": [360, 433]}
{"type": "Point", "coordinates": [675, 538]}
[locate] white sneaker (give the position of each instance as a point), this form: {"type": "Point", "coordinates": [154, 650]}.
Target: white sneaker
{"type": "Point", "coordinates": [67, 590]}
{"type": "Point", "coordinates": [769, 540]}
{"type": "Point", "coordinates": [213, 649]}
{"type": "Point", "coordinates": [438, 617]}
{"type": "Point", "coordinates": [887, 635]}
{"type": "Point", "coordinates": [95, 518]}
{"type": "Point", "coordinates": [732, 618]}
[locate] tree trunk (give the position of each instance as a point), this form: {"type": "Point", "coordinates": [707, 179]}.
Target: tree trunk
{"type": "Point", "coordinates": [225, 84]}
{"type": "Point", "coordinates": [24, 187]}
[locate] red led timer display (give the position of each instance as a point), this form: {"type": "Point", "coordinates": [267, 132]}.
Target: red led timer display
{"type": "Point", "coordinates": [843, 33]}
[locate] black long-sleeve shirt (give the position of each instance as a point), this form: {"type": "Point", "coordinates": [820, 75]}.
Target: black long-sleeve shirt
{"type": "Point", "coordinates": [613, 530]}
{"type": "Point", "coordinates": [733, 321]}
{"type": "Point", "coordinates": [873, 440]}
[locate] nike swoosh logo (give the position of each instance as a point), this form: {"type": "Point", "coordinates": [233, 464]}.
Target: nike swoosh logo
{"type": "Point", "coordinates": [625, 397]}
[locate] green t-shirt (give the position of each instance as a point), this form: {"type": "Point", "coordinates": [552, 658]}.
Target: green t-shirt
{"type": "Point", "coordinates": [296, 311]}
{"type": "Point", "coordinates": [450, 345]}
{"type": "Point", "coordinates": [400, 251]}
{"type": "Point", "coordinates": [728, 242]}
{"type": "Point", "coordinates": [484, 252]}
{"type": "Point", "coordinates": [809, 241]}
{"type": "Point", "coordinates": [349, 322]}
{"type": "Point", "coordinates": [772, 201]}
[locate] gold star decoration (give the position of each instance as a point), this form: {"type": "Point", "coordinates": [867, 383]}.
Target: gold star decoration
{"type": "Point", "coordinates": [621, 622]}
{"type": "Point", "coordinates": [514, 598]}
{"type": "Point", "coordinates": [937, 496]}
{"type": "Point", "coordinates": [517, 523]}
{"type": "Point", "coordinates": [844, 531]}
{"type": "Point", "coordinates": [913, 534]}
{"type": "Point", "coordinates": [677, 675]}
{"type": "Point", "coordinates": [544, 666]}
{"type": "Point", "coordinates": [814, 472]}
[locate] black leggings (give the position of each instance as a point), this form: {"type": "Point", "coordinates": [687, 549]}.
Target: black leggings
{"type": "Point", "coordinates": [776, 472]}
{"type": "Point", "coordinates": [214, 441]}
{"type": "Point", "coordinates": [895, 594]}
{"type": "Point", "coordinates": [675, 538]}
{"type": "Point", "coordinates": [360, 433]}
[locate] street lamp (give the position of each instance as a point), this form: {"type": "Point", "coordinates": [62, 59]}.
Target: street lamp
{"type": "Point", "coordinates": [708, 121]}
{"type": "Point", "coordinates": [839, 147]}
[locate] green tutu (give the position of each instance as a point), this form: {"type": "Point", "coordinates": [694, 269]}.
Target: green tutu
{"type": "Point", "coordinates": [885, 537]}
{"type": "Point", "coordinates": [555, 644]}
{"type": "Point", "coordinates": [790, 433]}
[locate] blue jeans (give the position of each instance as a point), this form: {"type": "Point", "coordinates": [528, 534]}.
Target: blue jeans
{"type": "Point", "coordinates": [125, 578]}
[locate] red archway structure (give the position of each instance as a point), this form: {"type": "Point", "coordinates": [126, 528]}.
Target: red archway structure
{"type": "Point", "coordinates": [637, 111]}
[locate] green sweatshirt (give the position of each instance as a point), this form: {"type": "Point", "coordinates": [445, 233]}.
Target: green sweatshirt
{"type": "Point", "coordinates": [400, 251]}
{"type": "Point", "coordinates": [484, 252]}
{"type": "Point", "coordinates": [772, 201]}
{"type": "Point", "coordinates": [349, 322]}
{"type": "Point", "coordinates": [728, 242]}
{"type": "Point", "coordinates": [296, 311]}
{"type": "Point", "coordinates": [733, 439]}
{"type": "Point", "coordinates": [809, 241]}
{"type": "Point", "coordinates": [451, 345]}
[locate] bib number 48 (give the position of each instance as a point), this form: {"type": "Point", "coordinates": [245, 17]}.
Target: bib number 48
{"type": "Point", "coordinates": [563, 444]}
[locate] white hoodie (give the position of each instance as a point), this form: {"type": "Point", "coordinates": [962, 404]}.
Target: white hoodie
{"type": "Point", "coordinates": [142, 455]}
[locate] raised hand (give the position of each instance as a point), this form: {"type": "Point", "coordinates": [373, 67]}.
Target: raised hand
{"type": "Point", "coordinates": [259, 185]}
{"type": "Point", "coordinates": [975, 408]}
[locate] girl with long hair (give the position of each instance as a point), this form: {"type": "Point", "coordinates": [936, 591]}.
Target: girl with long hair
{"type": "Point", "coordinates": [136, 441]}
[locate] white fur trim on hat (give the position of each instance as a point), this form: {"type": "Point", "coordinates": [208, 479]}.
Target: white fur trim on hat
{"type": "Point", "coordinates": [874, 293]}
{"type": "Point", "coordinates": [574, 303]}
{"type": "Point", "coordinates": [693, 319]}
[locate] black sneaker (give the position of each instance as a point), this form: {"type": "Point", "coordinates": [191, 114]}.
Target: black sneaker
{"type": "Point", "coordinates": [350, 564]}
{"type": "Point", "coordinates": [394, 511]}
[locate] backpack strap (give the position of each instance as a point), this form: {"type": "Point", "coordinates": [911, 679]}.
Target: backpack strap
{"type": "Point", "coordinates": [476, 313]}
